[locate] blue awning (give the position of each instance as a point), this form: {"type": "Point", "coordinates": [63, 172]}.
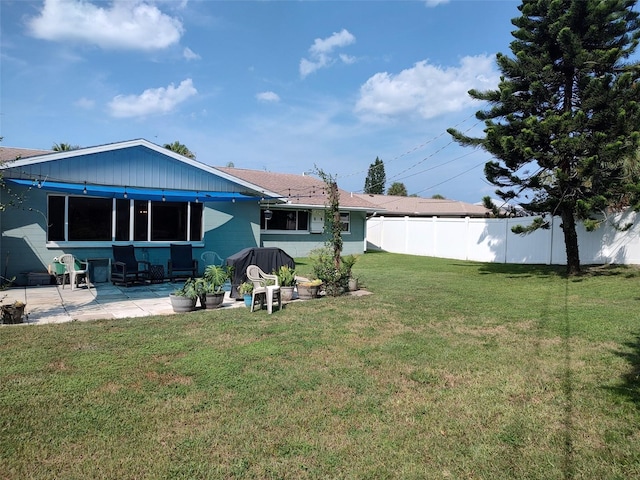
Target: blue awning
{"type": "Point", "coordinates": [135, 192]}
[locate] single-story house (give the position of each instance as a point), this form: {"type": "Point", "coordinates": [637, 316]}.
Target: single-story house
{"type": "Point", "coordinates": [399, 206]}
{"type": "Point", "coordinates": [135, 192]}
{"type": "Point", "coordinates": [297, 219]}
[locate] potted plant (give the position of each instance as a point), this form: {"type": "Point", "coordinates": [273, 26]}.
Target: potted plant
{"type": "Point", "coordinates": [13, 313]}
{"type": "Point", "coordinates": [309, 289]}
{"type": "Point", "coordinates": [287, 282]}
{"type": "Point", "coordinates": [184, 298]}
{"type": "Point", "coordinates": [200, 286]}
{"type": "Point", "coordinates": [215, 276]}
{"type": "Point", "coordinates": [246, 289]}
{"type": "Point", "coordinates": [346, 266]}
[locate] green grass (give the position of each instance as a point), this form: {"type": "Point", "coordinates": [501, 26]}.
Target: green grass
{"type": "Point", "coordinates": [449, 370]}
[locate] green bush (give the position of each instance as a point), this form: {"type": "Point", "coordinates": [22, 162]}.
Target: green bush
{"type": "Point", "coordinates": [336, 280]}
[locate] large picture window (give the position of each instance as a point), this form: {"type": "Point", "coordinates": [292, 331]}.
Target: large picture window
{"type": "Point", "coordinates": [90, 218]}
{"type": "Point", "coordinates": [297, 220]}
{"type": "Point", "coordinates": [75, 218]}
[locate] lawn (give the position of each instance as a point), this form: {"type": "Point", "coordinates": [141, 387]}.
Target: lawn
{"type": "Point", "coordinates": [449, 369]}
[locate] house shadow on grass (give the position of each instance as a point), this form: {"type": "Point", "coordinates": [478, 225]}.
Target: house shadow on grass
{"type": "Point", "coordinates": [629, 388]}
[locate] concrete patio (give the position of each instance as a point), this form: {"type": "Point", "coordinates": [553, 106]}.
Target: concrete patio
{"type": "Point", "coordinates": [54, 304]}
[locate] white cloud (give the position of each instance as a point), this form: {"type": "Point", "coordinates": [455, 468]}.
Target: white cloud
{"type": "Point", "coordinates": [190, 54]}
{"type": "Point", "coordinates": [152, 101]}
{"type": "Point", "coordinates": [435, 3]}
{"type": "Point", "coordinates": [426, 90]}
{"type": "Point", "coordinates": [348, 59]}
{"type": "Point", "coordinates": [326, 45]}
{"type": "Point", "coordinates": [268, 97]}
{"type": "Point", "coordinates": [124, 24]}
{"type": "Point", "coordinates": [321, 50]}
{"type": "Point", "coordinates": [85, 103]}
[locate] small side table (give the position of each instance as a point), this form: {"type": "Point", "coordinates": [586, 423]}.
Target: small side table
{"type": "Point", "coordinates": [156, 273]}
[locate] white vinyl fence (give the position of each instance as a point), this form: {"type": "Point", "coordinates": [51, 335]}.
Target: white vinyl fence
{"type": "Point", "coordinates": [491, 240]}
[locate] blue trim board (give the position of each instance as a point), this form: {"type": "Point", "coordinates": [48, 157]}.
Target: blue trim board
{"type": "Point", "coordinates": [112, 191]}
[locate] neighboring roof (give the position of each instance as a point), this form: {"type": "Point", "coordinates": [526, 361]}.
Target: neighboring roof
{"type": "Point", "coordinates": [299, 190]}
{"type": "Point", "coordinates": [9, 154]}
{"type": "Point", "coordinates": [423, 207]}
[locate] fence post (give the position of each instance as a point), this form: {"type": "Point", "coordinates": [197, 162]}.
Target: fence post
{"type": "Point", "coordinates": [466, 234]}
{"type": "Point", "coordinates": [506, 236]}
{"type": "Point", "coordinates": [406, 234]}
{"type": "Point", "coordinates": [434, 220]}
{"type": "Point", "coordinates": [551, 243]}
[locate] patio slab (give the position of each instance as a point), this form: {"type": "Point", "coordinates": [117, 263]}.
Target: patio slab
{"type": "Point", "coordinates": [55, 304]}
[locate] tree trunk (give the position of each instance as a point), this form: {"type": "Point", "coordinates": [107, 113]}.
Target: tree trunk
{"type": "Point", "coordinates": [570, 241]}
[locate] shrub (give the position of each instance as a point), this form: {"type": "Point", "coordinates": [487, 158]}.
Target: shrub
{"type": "Point", "coordinates": [336, 280]}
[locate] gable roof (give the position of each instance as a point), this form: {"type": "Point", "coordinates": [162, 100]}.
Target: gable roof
{"type": "Point", "coordinates": [299, 190]}
{"type": "Point", "coordinates": [423, 207]}
{"type": "Point", "coordinates": [23, 165]}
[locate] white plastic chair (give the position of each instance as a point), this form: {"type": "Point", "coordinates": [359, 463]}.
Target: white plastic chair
{"type": "Point", "coordinates": [211, 258]}
{"type": "Point", "coordinates": [69, 261]}
{"type": "Point", "coordinates": [262, 286]}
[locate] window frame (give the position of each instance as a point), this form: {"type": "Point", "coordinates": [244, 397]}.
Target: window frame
{"type": "Point", "coordinates": [297, 220]}
{"type": "Point", "coordinates": [346, 224]}
{"type": "Point", "coordinates": [345, 220]}
{"type": "Point", "coordinates": [194, 210]}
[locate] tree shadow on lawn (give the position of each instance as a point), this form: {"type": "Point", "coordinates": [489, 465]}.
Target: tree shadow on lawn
{"type": "Point", "coordinates": [540, 270]}
{"type": "Point", "coordinates": [522, 270]}
{"type": "Point", "coordinates": [630, 386]}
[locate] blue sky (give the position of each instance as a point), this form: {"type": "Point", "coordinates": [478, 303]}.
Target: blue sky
{"type": "Point", "coordinates": [271, 85]}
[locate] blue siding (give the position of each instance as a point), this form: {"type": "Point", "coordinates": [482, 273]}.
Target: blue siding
{"type": "Point", "coordinates": [228, 228]}
{"type": "Point", "coordinates": [134, 166]}
{"type": "Point", "coordinates": [300, 244]}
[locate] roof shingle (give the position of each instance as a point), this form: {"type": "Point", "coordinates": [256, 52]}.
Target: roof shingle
{"type": "Point", "coordinates": [298, 189]}
{"type": "Point", "coordinates": [8, 154]}
{"type": "Point", "coordinates": [424, 207]}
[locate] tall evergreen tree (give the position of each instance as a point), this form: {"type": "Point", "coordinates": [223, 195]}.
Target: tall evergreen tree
{"type": "Point", "coordinates": [376, 178]}
{"type": "Point", "coordinates": [564, 123]}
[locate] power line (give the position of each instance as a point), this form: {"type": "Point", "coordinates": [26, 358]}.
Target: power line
{"type": "Point", "coordinates": [418, 147]}
{"type": "Point", "coordinates": [453, 177]}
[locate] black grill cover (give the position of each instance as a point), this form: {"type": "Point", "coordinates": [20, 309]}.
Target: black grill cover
{"type": "Point", "coordinates": [267, 258]}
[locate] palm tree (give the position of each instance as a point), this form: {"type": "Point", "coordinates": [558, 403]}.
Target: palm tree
{"type": "Point", "coordinates": [64, 147]}
{"type": "Point", "coordinates": [181, 149]}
